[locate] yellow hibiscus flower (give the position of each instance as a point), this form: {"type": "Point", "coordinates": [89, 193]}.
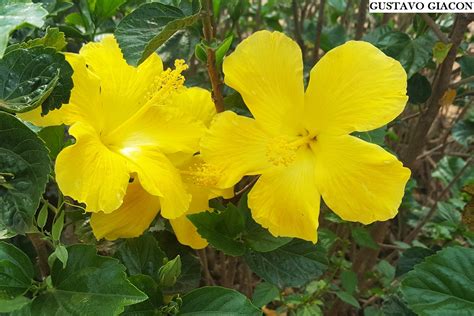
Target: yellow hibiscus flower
{"type": "Point", "coordinates": [299, 142]}
{"type": "Point", "coordinates": [134, 129]}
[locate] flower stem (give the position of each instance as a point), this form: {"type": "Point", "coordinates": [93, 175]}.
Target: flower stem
{"type": "Point", "coordinates": [211, 56]}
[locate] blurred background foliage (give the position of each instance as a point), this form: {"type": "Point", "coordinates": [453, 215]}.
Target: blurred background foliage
{"type": "Point", "coordinates": [419, 263]}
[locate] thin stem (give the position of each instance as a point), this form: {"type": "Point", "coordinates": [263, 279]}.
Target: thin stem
{"type": "Point", "coordinates": [432, 24]}
{"type": "Point", "coordinates": [361, 19]}
{"type": "Point", "coordinates": [461, 82]}
{"type": "Point", "coordinates": [319, 29]}
{"type": "Point", "coordinates": [211, 56]}
{"type": "Point", "coordinates": [440, 85]}
{"type": "Point", "coordinates": [42, 252]}
{"type": "Point", "coordinates": [414, 233]}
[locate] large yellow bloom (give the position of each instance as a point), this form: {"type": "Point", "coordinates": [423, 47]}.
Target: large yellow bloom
{"type": "Point", "coordinates": [299, 142]}
{"type": "Point", "coordinates": [135, 129]}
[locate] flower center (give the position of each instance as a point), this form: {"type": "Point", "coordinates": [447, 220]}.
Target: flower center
{"type": "Point", "coordinates": [282, 152]}
{"type": "Point", "coordinates": [202, 174]}
{"type": "Point", "coordinates": [169, 81]}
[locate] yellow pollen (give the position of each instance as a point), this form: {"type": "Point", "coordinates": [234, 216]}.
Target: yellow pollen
{"type": "Point", "coordinates": [202, 174]}
{"type": "Point", "coordinates": [282, 152]}
{"type": "Point", "coordinates": [167, 82]}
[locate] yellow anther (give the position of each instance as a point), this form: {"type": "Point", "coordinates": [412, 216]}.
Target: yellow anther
{"type": "Point", "coordinates": [280, 152]}
{"type": "Point", "coordinates": [201, 174]}
{"type": "Point", "coordinates": [167, 82]}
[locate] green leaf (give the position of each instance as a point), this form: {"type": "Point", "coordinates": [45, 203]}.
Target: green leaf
{"type": "Point", "coordinates": [448, 167]}
{"type": "Point", "coordinates": [348, 298]}
{"type": "Point", "coordinates": [200, 53]}
{"type": "Point", "coordinates": [141, 255]}
{"type": "Point", "coordinates": [467, 66]}
{"type": "Point", "coordinates": [376, 136]}
{"type": "Point", "coordinates": [58, 225]}
{"type": "Point", "coordinates": [363, 238]}
{"type": "Point", "coordinates": [413, 54]}
{"type": "Point", "coordinates": [55, 139]}
{"type": "Point", "coordinates": [332, 37]}
{"type": "Point", "coordinates": [10, 305]}
{"type": "Point", "coordinates": [152, 305]}
{"type": "Point", "coordinates": [52, 39]}
{"type": "Point", "coordinates": [221, 228]}
{"type": "Point", "coordinates": [463, 131]}
{"type": "Point", "coordinates": [419, 89]}
{"type": "Point", "coordinates": [410, 258]}
{"type": "Point", "coordinates": [442, 283]}
{"type": "Point", "coordinates": [338, 5]}
{"type": "Point", "coordinates": [349, 281]}
{"type": "Point", "coordinates": [222, 50]}
{"type": "Point", "coordinates": [440, 51]}
{"type": "Point", "coordinates": [24, 170]}
{"type": "Point", "coordinates": [144, 30]}
{"type": "Point", "coordinates": [294, 264]}
{"type": "Point", "coordinates": [14, 14]}
{"type": "Point", "coordinates": [16, 272]}
{"type": "Point", "coordinates": [170, 272]}
{"type": "Point", "coordinates": [181, 45]}
{"type": "Point", "coordinates": [395, 306]}
{"type": "Point", "coordinates": [90, 284]}
{"type": "Point", "coordinates": [62, 254]}
{"type": "Point", "coordinates": [104, 9]}
{"type": "Point", "coordinates": [42, 216]}
{"type": "Point", "coordinates": [33, 77]}
{"type": "Point", "coordinates": [264, 293]}
{"type": "Point", "coordinates": [217, 300]}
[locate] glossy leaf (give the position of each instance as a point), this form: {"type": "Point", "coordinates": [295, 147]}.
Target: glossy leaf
{"type": "Point", "coordinates": [443, 284]}
{"type": "Point", "coordinates": [24, 170]}
{"type": "Point", "coordinates": [33, 77]}
{"type": "Point", "coordinates": [264, 293]}
{"type": "Point", "coordinates": [99, 281]}
{"type": "Point", "coordinates": [141, 255]}
{"type": "Point", "coordinates": [410, 258]}
{"type": "Point", "coordinates": [217, 300]}
{"type": "Point", "coordinates": [15, 13]}
{"type": "Point", "coordinates": [16, 272]}
{"type": "Point", "coordinates": [144, 30]}
{"type": "Point", "coordinates": [294, 264]}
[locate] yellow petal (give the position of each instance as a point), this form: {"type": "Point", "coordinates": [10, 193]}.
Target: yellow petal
{"type": "Point", "coordinates": [159, 177]}
{"type": "Point", "coordinates": [131, 219]}
{"type": "Point", "coordinates": [84, 104]}
{"type": "Point", "coordinates": [196, 102]}
{"type": "Point", "coordinates": [184, 229]}
{"type": "Point", "coordinates": [169, 129]}
{"type": "Point", "coordinates": [186, 233]}
{"type": "Point", "coordinates": [90, 173]}
{"type": "Point", "coordinates": [354, 87]}
{"type": "Point", "coordinates": [124, 89]}
{"type": "Point", "coordinates": [267, 70]}
{"type": "Point", "coordinates": [286, 201]}
{"type": "Point", "coordinates": [34, 116]}
{"type": "Point", "coordinates": [237, 145]}
{"type": "Point", "coordinates": [359, 181]}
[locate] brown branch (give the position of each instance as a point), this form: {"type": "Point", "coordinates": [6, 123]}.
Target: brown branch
{"type": "Point", "coordinates": [461, 82]}
{"type": "Point", "coordinates": [440, 86]}
{"type": "Point", "coordinates": [204, 263]}
{"type": "Point", "coordinates": [362, 14]}
{"type": "Point", "coordinates": [208, 31]}
{"type": "Point", "coordinates": [319, 29]}
{"type": "Point", "coordinates": [296, 20]}
{"type": "Point", "coordinates": [432, 24]}
{"type": "Point", "coordinates": [414, 233]}
{"type": "Point", "coordinates": [42, 252]}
